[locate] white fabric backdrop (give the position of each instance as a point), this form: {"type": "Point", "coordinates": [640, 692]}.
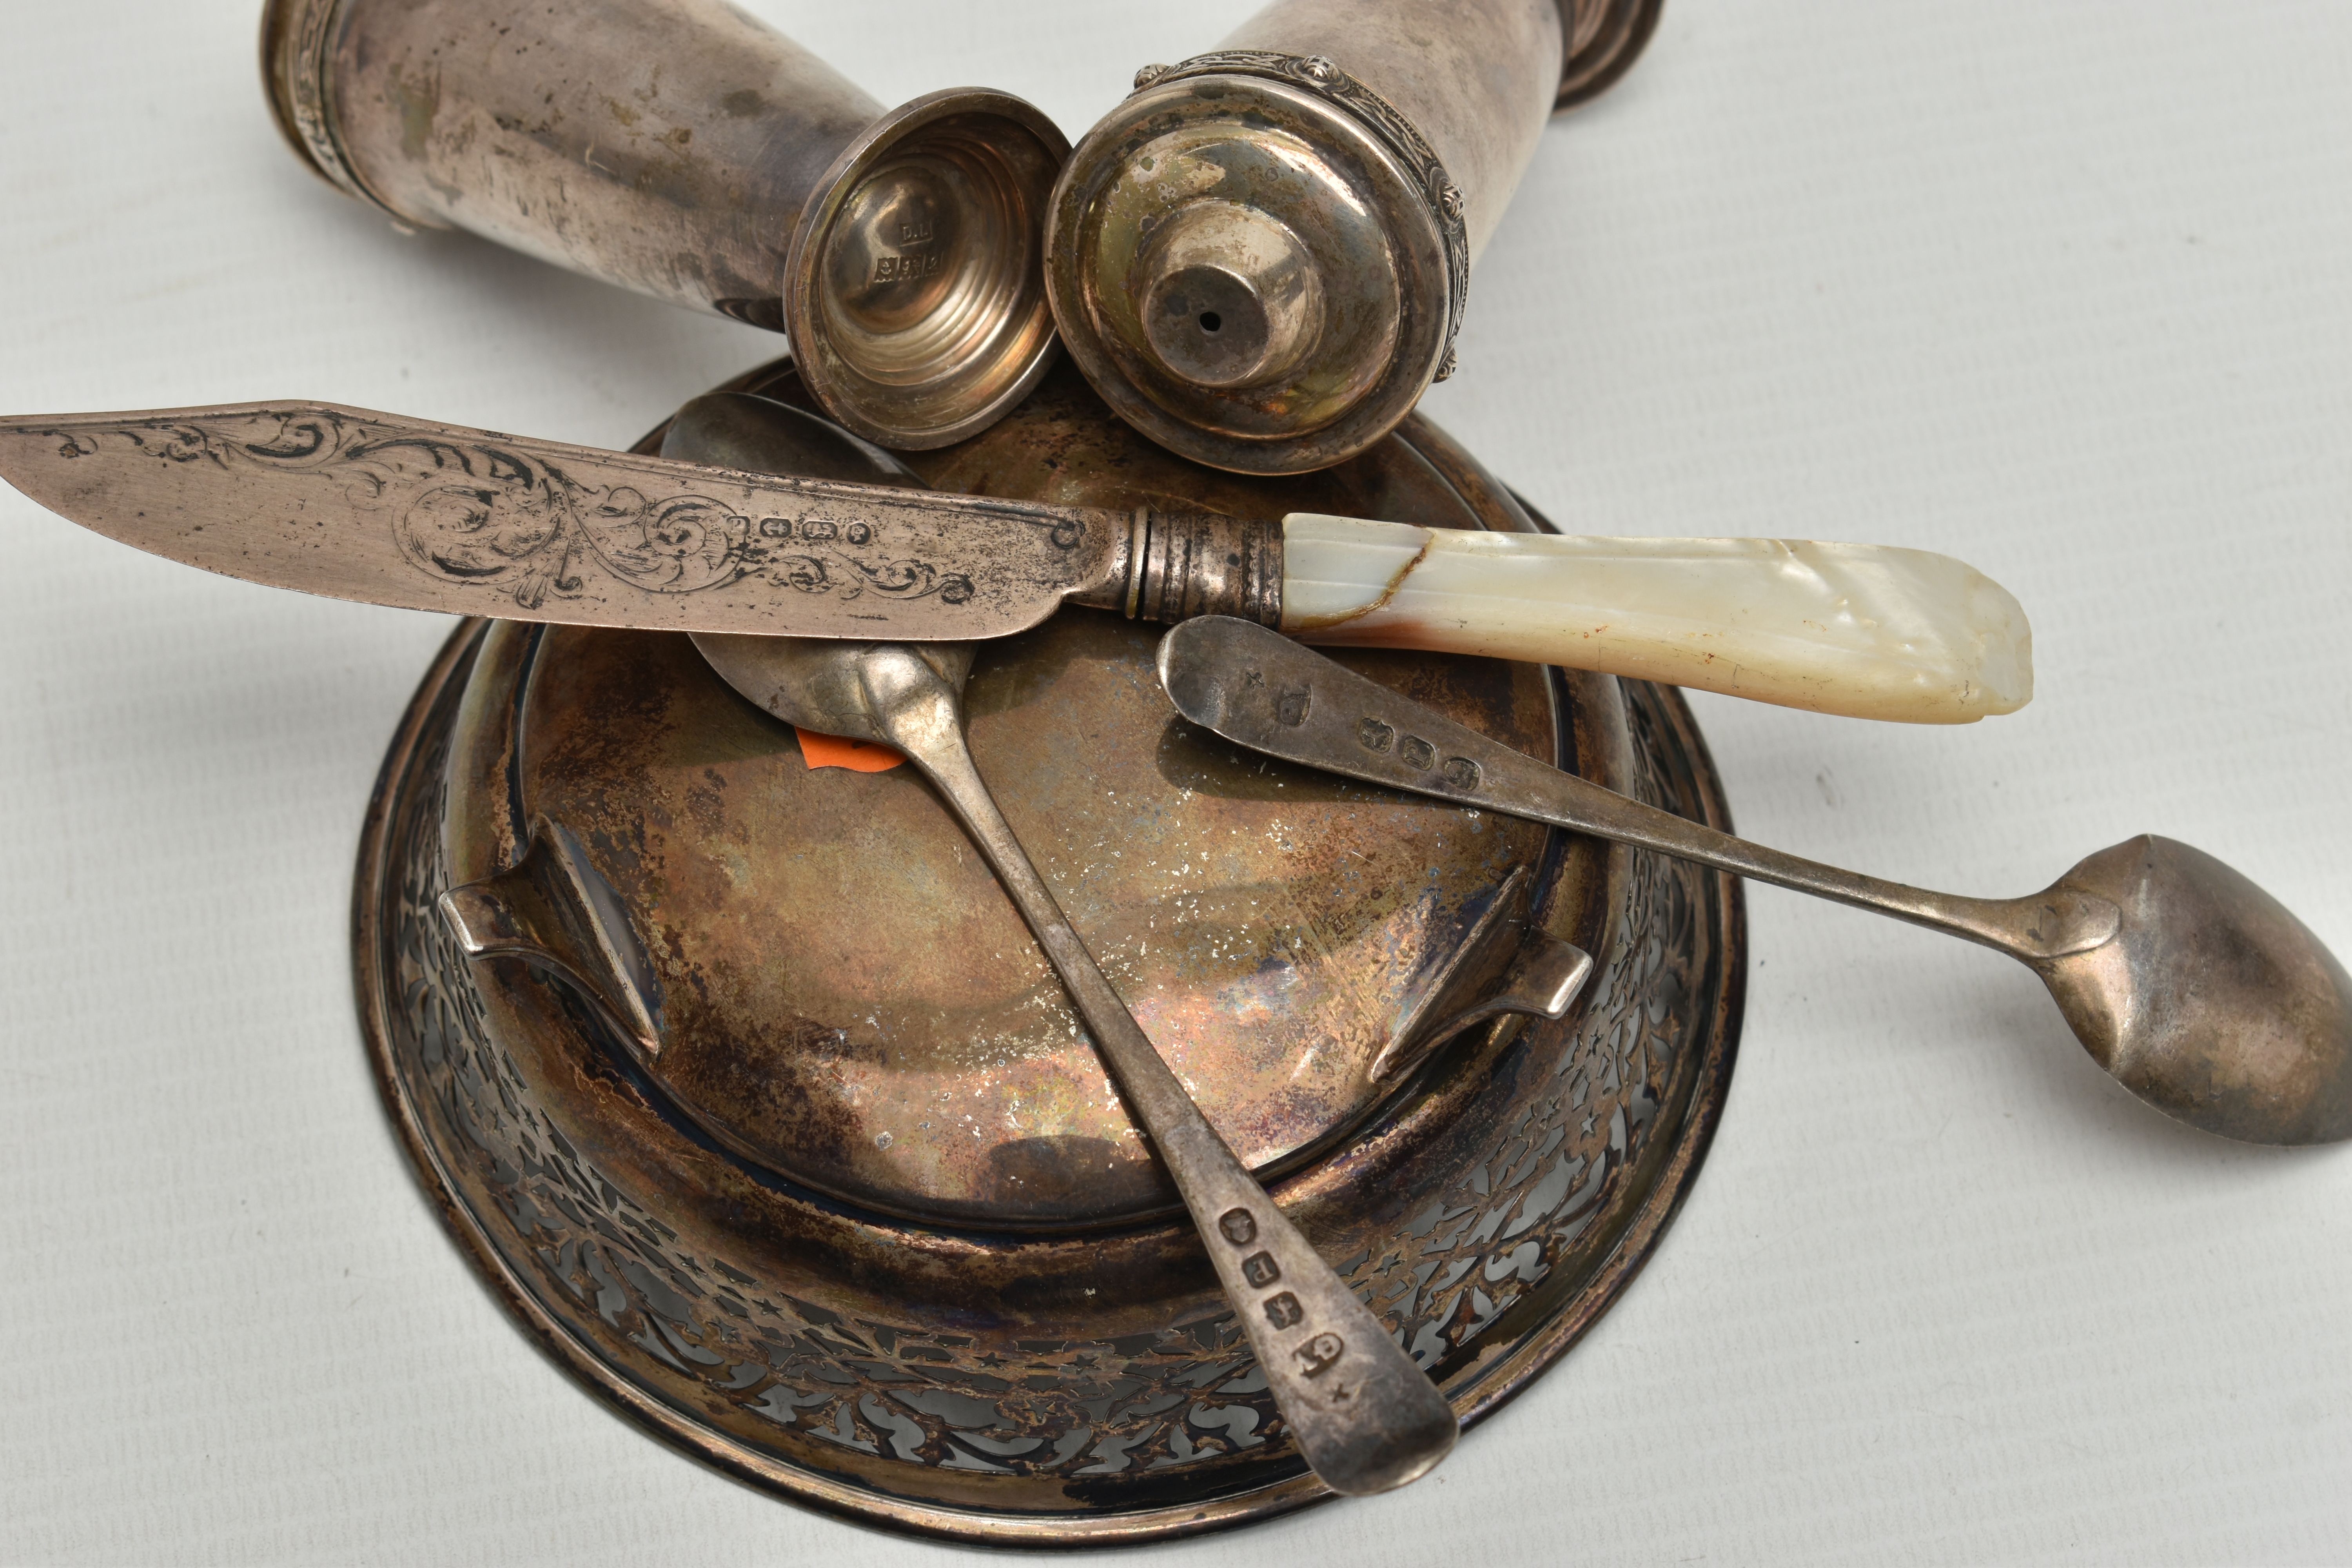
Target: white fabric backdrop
{"type": "Point", "coordinates": [2059, 289]}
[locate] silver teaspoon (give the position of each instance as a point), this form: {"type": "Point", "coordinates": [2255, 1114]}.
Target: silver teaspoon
{"type": "Point", "coordinates": [2195, 988]}
{"type": "Point", "coordinates": [1364, 1415]}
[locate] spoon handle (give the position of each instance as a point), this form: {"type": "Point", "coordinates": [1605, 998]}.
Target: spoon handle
{"type": "Point", "coordinates": [1366, 1417]}
{"type": "Point", "coordinates": [1255, 687]}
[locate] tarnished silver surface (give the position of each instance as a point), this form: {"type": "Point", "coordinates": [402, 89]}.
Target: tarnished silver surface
{"type": "Point", "coordinates": [682, 148]}
{"type": "Point", "coordinates": [353, 504]}
{"type": "Point", "coordinates": [294, 80]}
{"type": "Point", "coordinates": [1352, 936]}
{"type": "Point", "coordinates": [2197, 990]}
{"type": "Point", "coordinates": [1503, 965]}
{"type": "Point", "coordinates": [970, 1385]}
{"type": "Point", "coordinates": [1261, 257]}
{"type": "Point", "coordinates": [1364, 1415]}
{"type": "Point", "coordinates": [1500, 966]}
{"type": "Point", "coordinates": [934, 1372]}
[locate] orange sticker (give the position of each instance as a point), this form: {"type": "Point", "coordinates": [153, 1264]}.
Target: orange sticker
{"type": "Point", "coordinates": [839, 751]}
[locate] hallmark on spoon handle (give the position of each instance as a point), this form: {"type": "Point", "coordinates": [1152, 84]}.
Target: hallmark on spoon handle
{"type": "Point", "coordinates": [1273, 696]}
{"type": "Point", "coordinates": [1364, 1414]}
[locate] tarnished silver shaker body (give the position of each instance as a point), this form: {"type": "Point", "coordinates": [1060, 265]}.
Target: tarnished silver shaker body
{"type": "Point", "coordinates": [1260, 259]}
{"type": "Point", "coordinates": [684, 149]}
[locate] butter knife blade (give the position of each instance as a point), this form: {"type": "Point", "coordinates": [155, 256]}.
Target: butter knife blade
{"type": "Point", "coordinates": [372, 507]}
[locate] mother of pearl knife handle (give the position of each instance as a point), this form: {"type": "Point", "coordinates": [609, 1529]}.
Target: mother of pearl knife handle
{"type": "Point", "coordinates": [1866, 631]}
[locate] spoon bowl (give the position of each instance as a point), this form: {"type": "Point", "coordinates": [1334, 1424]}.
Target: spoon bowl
{"type": "Point", "coordinates": [812, 682]}
{"type": "Point", "coordinates": [2211, 1002]}
{"type": "Point", "coordinates": [819, 683]}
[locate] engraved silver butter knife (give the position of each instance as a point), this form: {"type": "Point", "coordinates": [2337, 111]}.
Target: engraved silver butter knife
{"type": "Point", "coordinates": [389, 510]}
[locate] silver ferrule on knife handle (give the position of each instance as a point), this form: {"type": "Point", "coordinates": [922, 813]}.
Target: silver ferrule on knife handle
{"type": "Point", "coordinates": [1173, 565]}
{"type": "Point", "coordinates": [1189, 565]}
{"type": "Point", "coordinates": [1182, 565]}
{"type": "Point", "coordinates": [681, 149]}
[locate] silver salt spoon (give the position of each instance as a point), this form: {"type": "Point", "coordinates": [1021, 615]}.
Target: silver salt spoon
{"type": "Point", "coordinates": [1365, 1416]}
{"type": "Point", "coordinates": [2199, 990]}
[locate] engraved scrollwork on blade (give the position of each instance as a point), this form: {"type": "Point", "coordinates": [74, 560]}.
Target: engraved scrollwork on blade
{"type": "Point", "coordinates": [900, 580]}
{"type": "Point", "coordinates": [912, 580]}
{"type": "Point", "coordinates": [804, 573]}
{"type": "Point", "coordinates": [825, 570]}
{"type": "Point", "coordinates": [501, 516]}
{"type": "Point", "coordinates": [676, 547]}
{"type": "Point", "coordinates": [355, 505]}
{"type": "Point", "coordinates": [304, 438]}
{"type": "Point", "coordinates": [466, 507]}
{"type": "Point", "coordinates": [485, 535]}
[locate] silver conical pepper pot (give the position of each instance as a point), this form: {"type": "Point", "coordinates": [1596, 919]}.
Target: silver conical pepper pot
{"type": "Point", "coordinates": [681, 149]}
{"type": "Point", "coordinates": [1260, 259]}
